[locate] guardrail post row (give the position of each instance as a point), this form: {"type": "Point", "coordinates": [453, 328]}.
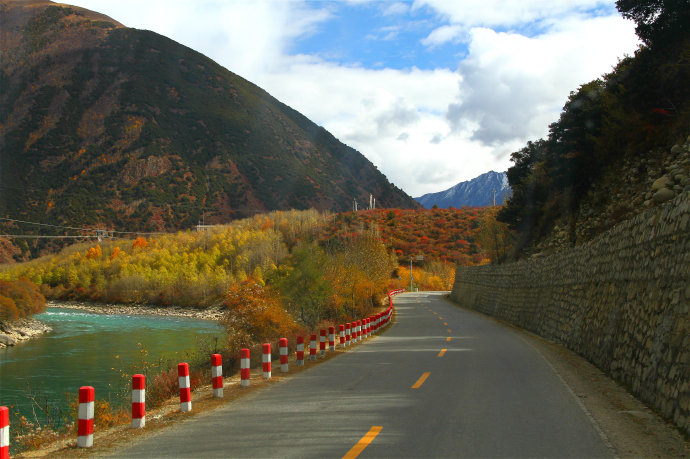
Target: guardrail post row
{"type": "Point", "coordinates": [266, 360]}
{"type": "Point", "coordinates": [4, 432]}
{"type": "Point", "coordinates": [283, 355]}
{"type": "Point", "coordinates": [244, 367]}
{"type": "Point", "coordinates": [85, 419]}
{"type": "Point", "coordinates": [331, 338]}
{"type": "Point", "coordinates": [185, 389]}
{"type": "Point", "coordinates": [322, 342]}
{"type": "Point", "coordinates": [300, 351]}
{"type": "Point", "coordinates": [217, 375]}
{"type": "Point", "coordinates": [342, 336]}
{"type": "Point", "coordinates": [312, 348]}
{"type": "Point", "coordinates": [138, 401]}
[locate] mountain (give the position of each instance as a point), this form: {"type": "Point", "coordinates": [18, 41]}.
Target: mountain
{"type": "Point", "coordinates": [107, 126]}
{"type": "Point", "coordinates": [476, 192]}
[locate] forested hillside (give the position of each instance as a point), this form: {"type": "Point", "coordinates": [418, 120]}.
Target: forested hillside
{"type": "Point", "coordinates": [616, 137]}
{"type": "Point", "coordinates": [103, 126]}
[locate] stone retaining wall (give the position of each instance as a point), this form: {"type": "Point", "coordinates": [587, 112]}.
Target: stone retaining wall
{"type": "Point", "coordinates": [621, 301]}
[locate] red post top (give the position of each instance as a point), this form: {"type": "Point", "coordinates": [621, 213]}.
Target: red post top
{"type": "Point", "coordinates": [86, 394]}
{"type": "Point", "coordinates": [182, 369]}
{"type": "Point", "coordinates": [138, 382]}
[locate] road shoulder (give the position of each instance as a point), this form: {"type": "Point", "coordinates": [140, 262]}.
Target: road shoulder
{"type": "Point", "coordinates": [631, 428]}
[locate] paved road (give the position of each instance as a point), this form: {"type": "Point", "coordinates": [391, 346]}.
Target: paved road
{"type": "Point", "coordinates": [489, 395]}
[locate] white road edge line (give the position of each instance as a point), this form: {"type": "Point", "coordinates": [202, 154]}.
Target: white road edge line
{"type": "Point", "coordinates": [582, 406]}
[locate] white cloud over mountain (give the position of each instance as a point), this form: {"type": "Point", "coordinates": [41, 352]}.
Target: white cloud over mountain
{"type": "Point", "coordinates": [426, 127]}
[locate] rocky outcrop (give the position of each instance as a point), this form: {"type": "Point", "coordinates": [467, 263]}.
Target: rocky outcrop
{"type": "Point", "coordinates": [11, 333]}
{"type": "Point", "coordinates": [621, 300]}
{"type": "Point", "coordinates": [626, 190]}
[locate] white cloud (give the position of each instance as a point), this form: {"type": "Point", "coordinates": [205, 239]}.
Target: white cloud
{"type": "Point", "coordinates": [426, 130]}
{"type": "Point", "coordinates": [506, 13]}
{"type": "Point", "coordinates": [396, 9]}
{"type": "Point", "coordinates": [514, 86]}
{"type": "Point", "coordinates": [443, 34]}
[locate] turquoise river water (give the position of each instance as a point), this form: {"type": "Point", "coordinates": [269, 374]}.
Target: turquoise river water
{"type": "Point", "coordinates": [87, 349]}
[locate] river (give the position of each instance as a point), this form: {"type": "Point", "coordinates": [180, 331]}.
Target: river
{"type": "Point", "coordinates": [89, 349]}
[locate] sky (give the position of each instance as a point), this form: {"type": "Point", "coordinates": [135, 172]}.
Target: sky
{"type": "Point", "coordinates": [432, 92]}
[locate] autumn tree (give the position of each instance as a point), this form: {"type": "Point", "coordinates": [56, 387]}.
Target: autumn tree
{"type": "Point", "coordinates": [495, 237]}
{"type": "Point", "coordinates": [302, 285]}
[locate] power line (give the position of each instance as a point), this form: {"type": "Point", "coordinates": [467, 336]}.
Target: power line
{"type": "Point", "coordinates": [77, 229]}
{"type": "Point", "coordinates": [47, 224]}
{"type": "Point", "coordinates": [39, 236]}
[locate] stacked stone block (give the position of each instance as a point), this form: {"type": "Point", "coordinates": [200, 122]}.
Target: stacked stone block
{"type": "Point", "coordinates": [621, 301]}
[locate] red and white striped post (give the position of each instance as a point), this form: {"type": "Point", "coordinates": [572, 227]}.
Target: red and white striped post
{"type": "Point", "coordinates": [185, 388]}
{"type": "Point", "coordinates": [331, 338]}
{"type": "Point", "coordinates": [283, 355]}
{"type": "Point", "coordinates": [85, 422]}
{"type": "Point", "coordinates": [266, 360]}
{"type": "Point", "coordinates": [217, 375]}
{"type": "Point", "coordinates": [359, 330]}
{"type": "Point", "coordinates": [365, 328]}
{"type": "Point", "coordinates": [244, 367]}
{"type": "Point", "coordinates": [4, 432]}
{"type": "Point", "coordinates": [375, 323]}
{"type": "Point", "coordinates": [138, 401]}
{"type": "Point", "coordinates": [347, 334]}
{"type": "Point", "coordinates": [342, 336]}
{"type": "Point", "coordinates": [300, 351]}
{"type": "Point", "coordinates": [322, 342]}
{"type": "Point", "coordinates": [312, 348]}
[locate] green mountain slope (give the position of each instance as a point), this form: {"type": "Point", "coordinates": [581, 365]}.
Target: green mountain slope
{"type": "Point", "coordinates": [101, 125]}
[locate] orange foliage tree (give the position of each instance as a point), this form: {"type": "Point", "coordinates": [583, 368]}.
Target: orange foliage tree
{"type": "Point", "coordinates": [20, 298]}
{"type": "Point", "coordinates": [255, 315]}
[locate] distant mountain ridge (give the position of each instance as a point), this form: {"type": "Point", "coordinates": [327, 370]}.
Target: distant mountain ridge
{"type": "Point", "coordinates": [117, 128]}
{"type": "Point", "coordinates": [477, 192]}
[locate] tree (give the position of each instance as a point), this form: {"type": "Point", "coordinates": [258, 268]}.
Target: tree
{"type": "Point", "coordinates": [495, 237]}
{"type": "Point", "coordinates": [302, 284]}
{"type": "Point", "coordinates": [659, 22]}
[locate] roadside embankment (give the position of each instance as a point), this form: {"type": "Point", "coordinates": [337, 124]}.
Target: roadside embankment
{"type": "Point", "coordinates": [13, 332]}
{"type": "Point", "coordinates": [621, 301]}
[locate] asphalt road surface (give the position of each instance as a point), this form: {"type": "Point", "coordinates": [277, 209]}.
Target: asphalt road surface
{"type": "Point", "coordinates": [440, 382]}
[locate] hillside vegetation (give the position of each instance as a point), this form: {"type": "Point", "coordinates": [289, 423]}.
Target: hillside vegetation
{"type": "Point", "coordinates": [315, 266]}
{"type": "Point", "coordinates": [116, 128]}
{"type": "Point", "coordinates": [615, 137]}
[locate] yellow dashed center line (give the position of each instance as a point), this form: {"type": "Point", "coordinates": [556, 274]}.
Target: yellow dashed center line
{"type": "Point", "coordinates": [445, 323]}
{"type": "Point", "coordinates": [421, 380]}
{"type": "Point", "coordinates": [448, 339]}
{"type": "Point", "coordinates": [363, 443]}
{"type": "Point", "coordinates": [449, 331]}
{"type": "Point", "coordinates": [443, 351]}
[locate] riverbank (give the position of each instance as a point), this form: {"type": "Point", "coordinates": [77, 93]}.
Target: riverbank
{"type": "Point", "coordinates": [214, 313]}
{"type": "Point", "coordinates": [19, 330]}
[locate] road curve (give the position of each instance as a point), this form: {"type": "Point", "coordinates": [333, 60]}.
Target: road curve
{"type": "Point", "coordinates": [489, 394]}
